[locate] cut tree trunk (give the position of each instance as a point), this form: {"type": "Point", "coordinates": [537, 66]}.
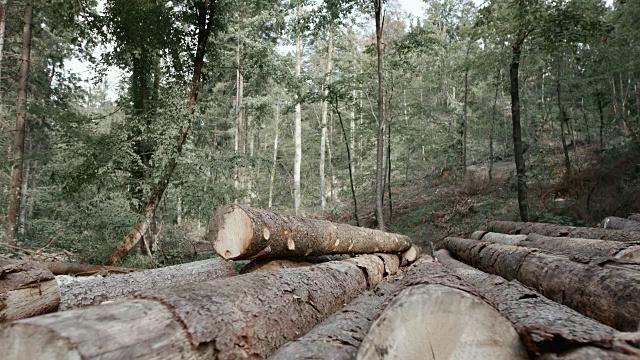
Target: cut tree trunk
{"type": "Point", "coordinates": [79, 292]}
{"type": "Point", "coordinates": [440, 322]}
{"type": "Point", "coordinates": [618, 223]}
{"type": "Point", "coordinates": [510, 227]}
{"type": "Point", "coordinates": [634, 217]}
{"type": "Point", "coordinates": [544, 326]}
{"type": "Point", "coordinates": [240, 232]}
{"type": "Point", "coordinates": [26, 289]}
{"type": "Point", "coordinates": [262, 264]}
{"type": "Point", "coordinates": [248, 316]}
{"type": "Point", "coordinates": [607, 294]}
{"type": "Point", "coordinates": [62, 268]}
{"type": "Point", "coordinates": [581, 250]}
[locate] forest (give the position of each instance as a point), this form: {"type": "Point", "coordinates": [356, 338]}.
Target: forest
{"type": "Point", "coordinates": [353, 111]}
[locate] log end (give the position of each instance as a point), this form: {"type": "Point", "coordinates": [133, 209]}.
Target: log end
{"type": "Point", "coordinates": [439, 322]}
{"type": "Point", "coordinates": [231, 232]}
{"type": "Point", "coordinates": [412, 254]}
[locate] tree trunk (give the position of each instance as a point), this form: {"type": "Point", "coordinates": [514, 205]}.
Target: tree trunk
{"type": "Point", "coordinates": [581, 250]}
{"type": "Point", "coordinates": [81, 292]}
{"type": "Point", "coordinates": [493, 125]}
{"type": "Point", "coordinates": [240, 232]}
{"type": "Point", "coordinates": [617, 223]}
{"type": "Point", "coordinates": [274, 166]}
{"type": "Point", "coordinates": [325, 110]}
{"type": "Point", "coordinates": [563, 121]}
{"type": "Point", "coordinates": [601, 113]}
{"type": "Point", "coordinates": [3, 23]}
{"type": "Point", "coordinates": [249, 316]}
{"type": "Point", "coordinates": [509, 227]}
{"type": "Point", "coordinates": [440, 317]}
{"type": "Point", "coordinates": [62, 268]}
{"type": "Point", "coordinates": [298, 122]}
{"type": "Point", "coordinates": [15, 189]}
{"type": "Point", "coordinates": [205, 21]}
{"type": "Point", "coordinates": [518, 153]}
{"type": "Point", "coordinates": [464, 121]}
{"type": "Point", "coordinates": [26, 289]}
{"type": "Point", "coordinates": [350, 159]}
{"type": "Point", "coordinates": [352, 135]}
{"type": "Point", "coordinates": [634, 217]}
{"type": "Point", "coordinates": [389, 171]}
{"type": "Point", "coordinates": [264, 264]}
{"type": "Point", "coordinates": [240, 129]}
{"type": "Point", "coordinates": [379, 15]}
{"type": "Point", "coordinates": [601, 293]}
{"type": "Point", "coordinates": [544, 326]}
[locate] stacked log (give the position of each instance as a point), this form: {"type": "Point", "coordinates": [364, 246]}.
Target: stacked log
{"type": "Point", "coordinates": [515, 228]}
{"type": "Point", "coordinates": [613, 222]}
{"type": "Point", "coordinates": [605, 293]}
{"type": "Point", "coordinates": [245, 316]}
{"type": "Point", "coordinates": [241, 232]}
{"type": "Point", "coordinates": [545, 327]}
{"type": "Point", "coordinates": [581, 250]}
{"type": "Point", "coordinates": [30, 288]}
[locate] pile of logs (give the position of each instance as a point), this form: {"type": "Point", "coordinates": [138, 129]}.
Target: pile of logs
{"type": "Point", "coordinates": [320, 290]}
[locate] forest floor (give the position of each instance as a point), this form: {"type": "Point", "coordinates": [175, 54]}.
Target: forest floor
{"type": "Point", "coordinates": [432, 206]}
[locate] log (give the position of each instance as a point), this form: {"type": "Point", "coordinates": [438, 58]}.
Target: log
{"type": "Point", "coordinates": [606, 294]}
{"type": "Point", "coordinates": [581, 250]}
{"type": "Point", "coordinates": [245, 316]}
{"type": "Point", "coordinates": [240, 232]}
{"type": "Point", "coordinates": [544, 326]}
{"type": "Point", "coordinates": [440, 322]}
{"type": "Point", "coordinates": [514, 228]}
{"type": "Point", "coordinates": [618, 223]}
{"type": "Point", "coordinates": [86, 291]}
{"type": "Point", "coordinates": [264, 264]}
{"type": "Point", "coordinates": [62, 268]}
{"type": "Point", "coordinates": [477, 235]}
{"type": "Point", "coordinates": [26, 289]}
{"type": "Point", "coordinates": [634, 217]}
{"type": "Point", "coordinates": [340, 336]}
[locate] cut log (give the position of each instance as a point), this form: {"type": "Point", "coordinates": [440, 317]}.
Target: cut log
{"type": "Point", "coordinates": [26, 289]}
{"type": "Point", "coordinates": [339, 337]}
{"type": "Point", "coordinates": [514, 228]}
{"type": "Point", "coordinates": [618, 223]}
{"type": "Point", "coordinates": [85, 291]}
{"type": "Point", "coordinates": [634, 217]}
{"type": "Point", "coordinates": [240, 232]}
{"type": "Point", "coordinates": [544, 326]}
{"type": "Point", "coordinates": [62, 268]}
{"type": "Point", "coordinates": [247, 316]}
{"type": "Point", "coordinates": [262, 264]}
{"type": "Point", "coordinates": [581, 250]}
{"type": "Point", "coordinates": [477, 235]}
{"type": "Point", "coordinates": [440, 322]}
{"type": "Point", "coordinates": [606, 294]}
{"type": "Point", "coordinates": [412, 254]}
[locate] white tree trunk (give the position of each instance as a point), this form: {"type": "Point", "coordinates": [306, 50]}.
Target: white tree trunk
{"type": "Point", "coordinates": [298, 125]}
{"type": "Point", "coordinates": [325, 110]}
{"type": "Point", "coordinates": [275, 157]}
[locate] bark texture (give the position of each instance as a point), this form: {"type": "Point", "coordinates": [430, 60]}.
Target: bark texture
{"type": "Point", "coordinates": [241, 232]}
{"type": "Point", "coordinates": [634, 217]}
{"type": "Point", "coordinates": [618, 223]}
{"type": "Point", "coordinates": [26, 289]}
{"type": "Point", "coordinates": [544, 326]}
{"type": "Point", "coordinates": [606, 294]}
{"type": "Point", "coordinates": [85, 291]}
{"type": "Point", "coordinates": [62, 268]}
{"type": "Point", "coordinates": [581, 250]}
{"type": "Point", "coordinates": [510, 227]}
{"type": "Point", "coordinates": [440, 322]}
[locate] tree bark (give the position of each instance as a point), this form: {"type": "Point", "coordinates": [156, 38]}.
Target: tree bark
{"type": "Point", "coordinates": [62, 268]}
{"type": "Point", "coordinates": [3, 24]}
{"type": "Point", "coordinates": [325, 110]}
{"type": "Point", "coordinates": [262, 264]}
{"type": "Point", "coordinates": [544, 326]}
{"type": "Point", "coordinates": [617, 223]}
{"type": "Point", "coordinates": [249, 316]}
{"type": "Point", "coordinates": [81, 292]}
{"type": "Point", "coordinates": [15, 189]}
{"type": "Point", "coordinates": [601, 293]}
{"type": "Point", "coordinates": [379, 18]}
{"type": "Point", "coordinates": [298, 122]}
{"type": "Point", "coordinates": [274, 166]}
{"type": "Point", "coordinates": [26, 289]}
{"type": "Point", "coordinates": [580, 250]}
{"type": "Point", "coordinates": [518, 152]}
{"type": "Point", "coordinates": [205, 22]}
{"type": "Point", "coordinates": [510, 227]}
{"type": "Point", "coordinates": [464, 120]}
{"type": "Point", "coordinates": [634, 217]}
{"type": "Point", "coordinates": [440, 321]}
{"type": "Point", "coordinates": [240, 232]}
{"type": "Point", "coordinates": [563, 121]}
